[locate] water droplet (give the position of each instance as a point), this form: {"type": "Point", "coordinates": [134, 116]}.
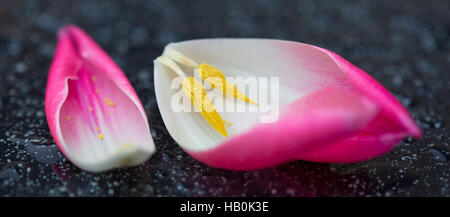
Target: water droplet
{"type": "Point", "coordinates": [20, 67]}
{"type": "Point", "coordinates": [437, 125]}
{"type": "Point", "coordinates": [406, 158]}
{"type": "Point", "coordinates": [437, 155]}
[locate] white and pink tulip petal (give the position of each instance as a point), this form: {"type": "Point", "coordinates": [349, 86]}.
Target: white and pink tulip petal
{"type": "Point", "coordinates": [93, 112]}
{"type": "Point", "coordinates": [330, 110]}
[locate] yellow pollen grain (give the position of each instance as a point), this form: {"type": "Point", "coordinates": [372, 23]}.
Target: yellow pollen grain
{"type": "Point", "coordinates": [68, 117]}
{"type": "Point", "coordinates": [94, 78]}
{"type": "Point", "coordinates": [96, 128]}
{"type": "Point", "coordinates": [97, 91]}
{"type": "Point", "coordinates": [227, 124]}
{"type": "Point", "coordinates": [90, 109]}
{"type": "Point", "coordinates": [109, 102]}
{"type": "Point", "coordinates": [100, 136]}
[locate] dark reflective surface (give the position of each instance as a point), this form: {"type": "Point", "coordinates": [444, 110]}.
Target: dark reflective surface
{"type": "Point", "coordinates": [403, 44]}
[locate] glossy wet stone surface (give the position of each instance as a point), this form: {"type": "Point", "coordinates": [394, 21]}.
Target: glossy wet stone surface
{"type": "Point", "coordinates": [404, 46]}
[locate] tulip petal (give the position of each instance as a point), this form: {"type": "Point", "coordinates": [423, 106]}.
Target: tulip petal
{"type": "Point", "coordinates": [331, 111]}
{"type": "Point", "coordinates": [93, 112]}
{"type": "Point", "coordinates": [312, 122]}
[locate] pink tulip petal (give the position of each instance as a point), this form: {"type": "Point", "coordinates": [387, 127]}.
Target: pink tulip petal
{"type": "Point", "coordinates": [341, 113]}
{"type": "Point", "coordinates": [313, 121]}
{"type": "Point", "coordinates": [93, 112]}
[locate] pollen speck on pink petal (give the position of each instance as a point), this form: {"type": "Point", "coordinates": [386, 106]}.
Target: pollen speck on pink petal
{"type": "Point", "coordinates": [109, 102]}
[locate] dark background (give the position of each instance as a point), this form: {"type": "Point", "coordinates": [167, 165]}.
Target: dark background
{"type": "Point", "coordinates": [403, 44]}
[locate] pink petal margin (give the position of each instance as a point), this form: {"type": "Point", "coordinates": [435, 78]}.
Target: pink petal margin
{"type": "Point", "coordinates": [332, 124]}
{"type": "Point", "coordinates": [74, 50]}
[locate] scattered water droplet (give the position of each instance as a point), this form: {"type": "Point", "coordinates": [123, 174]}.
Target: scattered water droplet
{"type": "Point", "coordinates": [20, 67]}
{"type": "Point", "coordinates": [9, 173]}
{"type": "Point", "coordinates": [43, 153]}
{"type": "Point", "coordinates": [437, 125]}
{"type": "Point", "coordinates": [437, 155]}
{"type": "Point", "coordinates": [406, 158]}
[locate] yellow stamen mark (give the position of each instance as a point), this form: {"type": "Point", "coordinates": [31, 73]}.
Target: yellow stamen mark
{"type": "Point", "coordinates": [100, 136]}
{"type": "Point", "coordinates": [109, 102]}
{"type": "Point", "coordinates": [94, 78]}
{"type": "Point", "coordinates": [97, 128]}
{"type": "Point", "coordinates": [97, 91]}
{"type": "Point", "coordinates": [195, 91]}
{"type": "Point", "coordinates": [68, 117]}
{"type": "Point", "coordinates": [90, 109]}
{"type": "Point", "coordinates": [217, 80]}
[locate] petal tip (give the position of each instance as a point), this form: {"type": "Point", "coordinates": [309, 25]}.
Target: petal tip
{"type": "Point", "coordinates": [67, 28]}
{"type": "Point", "coordinates": [415, 131]}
